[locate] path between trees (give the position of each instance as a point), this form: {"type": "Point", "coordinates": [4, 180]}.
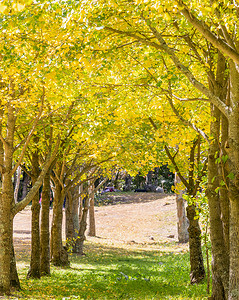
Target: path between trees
{"type": "Point", "coordinates": [135, 220]}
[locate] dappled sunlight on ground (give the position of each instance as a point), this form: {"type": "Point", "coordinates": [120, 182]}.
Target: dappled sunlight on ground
{"type": "Point", "coordinates": [135, 255]}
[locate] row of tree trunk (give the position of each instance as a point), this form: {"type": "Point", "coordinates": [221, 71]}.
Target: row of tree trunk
{"type": "Point", "coordinates": [46, 241]}
{"type": "Point", "coordinates": [48, 248]}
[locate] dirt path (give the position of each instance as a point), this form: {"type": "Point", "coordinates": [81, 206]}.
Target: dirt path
{"type": "Point", "coordinates": [135, 219]}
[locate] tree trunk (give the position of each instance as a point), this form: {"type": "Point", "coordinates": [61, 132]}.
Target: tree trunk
{"type": "Point", "coordinates": [196, 259]}
{"type": "Point", "coordinates": [80, 202]}
{"type": "Point", "coordinates": [75, 210]}
{"type": "Point", "coordinates": [83, 224]}
{"type": "Point", "coordinates": [234, 244]}
{"type": "Point", "coordinates": [24, 185]}
{"type": "Point", "coordinates": [128, 183]}
{"type": "Point", "coordinates": [69, 225]}
{"type": "Point", "coordinates": [5, 237]}
{"type": "Point", "coordinates": [220, 258]}
{"type": "Point", "coordinates": [183, 223]}
{"type": "Point", "coordinates": [72, 216]}
{"type": "Point", "coordinates": [14, 280]}
{"type": "Point", "coordinates": [149, 178]}
{"type": "Point", "coordinates": [16, 189]}
{"type": "Point", "coordinates": [224, 198]}
{"type": "Point", "coordinates": [92, 230]}
{"type": "Point", "coordinates": [6, 202]}
{"type": "Point", "coordinates": [233, 153]}
{"type": "Point", "coordinates": [34, 271]}
{"type": "Point", "coordinates": [197, 273]}
{"type": "Point", "coordinates": [45, 224]}
{"type": "Point", "coordinates": [59, 256]}
{"type": "Point", "coordinates": [92, 191]}
{"type": "Point", "coordinates": [116, 180]}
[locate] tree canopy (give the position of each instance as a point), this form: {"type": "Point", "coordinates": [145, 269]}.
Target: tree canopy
{"type": "Point", "coordinates": [126, 84]}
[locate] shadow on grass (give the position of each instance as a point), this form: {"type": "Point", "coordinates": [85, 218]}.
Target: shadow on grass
{"type": "Point", "coordinates": [115, 273]}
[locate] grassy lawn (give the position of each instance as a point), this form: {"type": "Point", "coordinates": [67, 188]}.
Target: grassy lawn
{"type": "Point", "coordinates": [115, 273]}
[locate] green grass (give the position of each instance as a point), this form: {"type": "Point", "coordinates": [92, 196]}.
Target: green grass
{"type": "Point", "coordinates": [115, 273]}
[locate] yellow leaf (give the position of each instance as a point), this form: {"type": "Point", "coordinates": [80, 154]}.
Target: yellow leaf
{"type": "Point", "coordinates": [2, 8]}
{"type": "Point", "coordinates": [167, 16]}
{"type": "Point", "coordinates": [18, 6]}
{"type": "Point", "coordinates": [160, 9]}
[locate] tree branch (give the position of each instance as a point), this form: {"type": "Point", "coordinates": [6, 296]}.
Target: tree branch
{"type": "Point", "coordinates": [162, 46]}
{"type": "Point", "coordinates": [27, 139]}
{"type": "Point", "coordinates": [192, 164]}
{"type": "Point", "coordinates": [189, 99]}
{"type": "Point", "coordinates": [186, 122]}
{"type": "Point", "coordinates": [212, 98]}
{"type": "Point", "coordinates": [50, 158]}
{"type": "Point", "coordinates": [184, 181]}
{"type": "Point", "coordinates": [207, 33]}
{"type": "Point", "coordinates": [3, 140]}
{"type": "Point", "coordinates": [135, 36]}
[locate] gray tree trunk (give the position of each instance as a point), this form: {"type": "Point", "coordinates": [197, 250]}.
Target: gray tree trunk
{"type": "Point", "coordinates": [92, 229]}
{"type": "Point", "coordinates": [34, 271]}
{"type": "Point", "coordinates": [18, 176]}
{"type": "Point", "coordinates": [72, 216]}
{"type": "Point", "coordinates": [182, 223]}
{"type": "Point", "coordinates": [45, 227]}
{"type": "Point", "coordinates": [59, 256]}
{"type": "Point", "coordinates": [83, 222]}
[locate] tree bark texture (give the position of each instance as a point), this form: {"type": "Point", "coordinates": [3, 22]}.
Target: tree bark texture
{"type": "Point", "coordinates": [224, 195]}
{"type": "Point", "coordinates": [59, 255]}
{"type": "Point", "coordinates": [6, 202]}
{"type": "Point", "coordinates": [17, 184]}
{"type": "Point", "coordinates": [45, 227]}
{"type": "Point", "coordinates": [24, 185]}
{"type": "Point", "coordinates": [197, 273]}
{"type": "Point", "coordinates": [14, 279]}
{"type": "Point", "coordinates": [34, 271]}
{"type": "Point", "coordinates": [232, 149]}
{"type": "Point", "coordinates": [72, 215]}
{"type": "Point", "coordinates": [234, 244]}
{"type": "Point", "coordinates": [80, 202]}
{"type": "Point", "coordinates": [220, 258]}
{"type": "Point", "coordinates": [83, 225]}
{"type": "Point", "coordinates": [92, 229]}
{"type": "Point", "coordinates": [5, 238]}
{"type": "Point", "coordinates": [183, 222]}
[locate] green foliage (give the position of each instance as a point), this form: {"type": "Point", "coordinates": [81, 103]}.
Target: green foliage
{"type": "Point", "coordinates": [231, 176]}
{"type": "Point", "coordinates": [222, 159]}
{"type": "Point", "coordinates": [114, 273]}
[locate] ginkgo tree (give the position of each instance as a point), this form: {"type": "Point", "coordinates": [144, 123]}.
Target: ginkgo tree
{"type": "Point", "coordinates": [38, 72]}
{"type": "Point", "coordinates": [26, 64]}
{"type": "Point", "coordinates": [139, 95]}
{"type": "Point", "coordinates": [170, 60]}
{"type": "Point", "coordinates": [195, 45]}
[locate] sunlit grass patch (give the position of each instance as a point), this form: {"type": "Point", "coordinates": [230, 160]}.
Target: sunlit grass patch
{"type": "Point", "coordinates": [115, 273]}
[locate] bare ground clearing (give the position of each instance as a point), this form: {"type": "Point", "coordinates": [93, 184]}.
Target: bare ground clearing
{"type": "Point", "coordinates": [132, 220]}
